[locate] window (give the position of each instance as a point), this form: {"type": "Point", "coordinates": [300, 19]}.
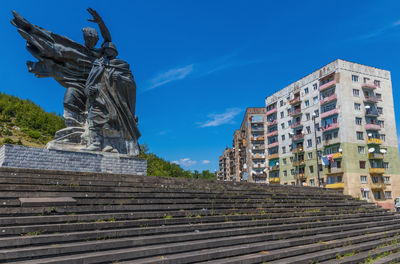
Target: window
{"type": "Point", "coordinates": [382, 137]}
{"type": "Point", "coordinates": [312, 182]}
{"type": "Point", "coordinates": [307, 103]}
{"type": "Point", "coordinates": [308, 116]}
{"type": "Point", "coordinates": [361, 150]}
{"type": "Point", "coordinates": [291, 159]}
{"type": "Point", "coordinates": [381, 123]}
{"type": "Point", "coordinates": [315, 99]}
{"type": "Point", "coordinates": [283, 150]}
{"type": "Point", "coordinates": [311, 168]}
{"type": "Point", "coordinates": [306, 90]}
{"type": "Point", "coordinates": [318, 140]}
{"type": "Point", "coordinates": [366, 79]}
{"type": "Point", "coordinates": [375, 179]}
{"type": "Point", "coordinates": [292, 172]}
{"type": "Point", "coordinates": [285, 173]}
{"type": "Point", "coordinates": [308, 128]}
{"type": "Point", "coordinates": [309, 143]}
{"type": "Point", "coordinates": [357, 106]}
{"type": "Point", "coordinates": [283, 137]}
{"type": "Point", "coordinates": [289, 122]}
{"type": "Point", "coordinates": [378, 96]}
{"type": "Point", "coordinates": [358, 121]}
{"type": "Point", "coordinates": [360, 135]}
{"type": "Point", "coordinates": [320, 168]}
{"type": "Point", "coordinates": [316, 113]}
{"type": "Point", "coordinates": [386, 165]}
{"type": "Point", "coordinates": [356, 93]}
{"type": "Point", "coordinates": [377, 83]}
{"type": "Point", "coordinates": [362, 164]}
{"type": "Point", "coordinates": [363, 179]}
{"type": "Point", "coordinates": [284, 161]}
{"type": "Point", "coordinates": [315, 86]}
{"type": "Point", "coordinates": [377, 195]}
{"type": "Point", "coordinates": [309, 155]}
{"type": "Point", "coordinates": [388, 194]}
{"type": "Point", "coordinates": [319, 154]}
{"type": "Point", "coordinates": [365, 194]}
{"type": "Point", "coordinates": [283, 125]}
{"type": "Point", "coordinates": [282, 114]}
{"type": "Point", "coordinates": [293, 183]}
{"type": "Point", "coordinates": [354, 78]}
{"type": "Point", "coordinates": [281, 103]}
{"type": "Point", "coordinates": [386, 179]}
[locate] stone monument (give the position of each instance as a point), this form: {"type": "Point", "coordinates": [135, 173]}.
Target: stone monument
{"type": "Point", "coordinates": [99, 101]}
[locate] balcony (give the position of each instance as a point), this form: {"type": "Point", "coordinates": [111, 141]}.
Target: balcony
{"type": "Point", "coordinates": [297, 150]}
{"type": "Point", "coordinates": [274, 168]}
{"type": "Point", "coordinates": [260, 138]}
{"type": "Point", "coordinates": [335, 170]}
{"type": "Point", "coordinates": [327, 85]}
{"type": "Point", "coordinates": [368, 86]}
{"type": "Point", "coordinates": [270, 112]}
{"type": "Point", "coordinates": [375, 141]}
{"type": "Point", "coordinates": [372, 127]}
{"type": "Point", "coordinates": [328, 99]}
{"type": "Point", "coordinates": [377, 170]}
{"type": "Point", "coordinates": [330, 112]}
{"type": "Point", "coordinates": [271, 123]}
{"type": "Point", "coordinates": [371, 99]}
{"type": "Point", "coordinates": [378, 186]}
{"type": "Point", "coordinates": [259, 166]}
{"type": "Point", "coordinates": [375, 156]}
{"type": "Point", "coordinates": [295, 112]}
{"type": "Point", "coordinates": [257, 129]}
{"type": "Point", "coordinates": [272, 145]}
{"type": "Point", "coordinates": [330, 127]}
{"type": "Point", "coordinates": [258, 156]}
{"type": "Point", "coordinates": [372, 113]}
{"type": "Point", "coordinates": [301, 176]}
{"type": "Point", "coordinates": [337, 155]}
{"type": "Point", "coordinates": [297, 124]}
{"type": "Point", "coordinates": [275, 180]}
{"type": "Point", "coordinates": [337, 185]}
{"type": "Point", "coordinates": [299, 163]}
{"type": "Point", "coordinates": [256, 120]}
{"type": "Point", "coordinates": [273, 156]}
{"type": "Point", "coordinates": [295, 101]}
{"type": "Point", "coordinates": [297, 137]}
{"type": "Point", "coordinates": [273, 133]}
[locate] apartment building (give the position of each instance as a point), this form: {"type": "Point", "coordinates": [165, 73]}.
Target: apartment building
{"type": "Point", "coordinates": [249, 146]}
{"type": "Point", "coordinates": [336, 128]}
{"type": "Point", "coordinates": [227, 167]}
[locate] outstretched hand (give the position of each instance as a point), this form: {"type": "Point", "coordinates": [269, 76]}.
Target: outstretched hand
{"type": "Point", "coordinates": [96, 17]}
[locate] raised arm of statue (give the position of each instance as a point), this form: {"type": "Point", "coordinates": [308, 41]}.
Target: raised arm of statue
{"type": "Point", "coordinates": [98, 20]}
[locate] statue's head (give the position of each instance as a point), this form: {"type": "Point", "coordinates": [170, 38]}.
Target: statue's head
{"type": "Point", "coordinates": [110, 50]}
{"type": "Point", "coordinates": [90, 36]}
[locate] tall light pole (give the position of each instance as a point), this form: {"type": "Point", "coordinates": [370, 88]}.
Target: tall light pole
{"type": "Point", "coordinates": [314, 116]}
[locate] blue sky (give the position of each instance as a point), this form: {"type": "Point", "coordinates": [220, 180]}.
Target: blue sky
{"type": "Point", "coordinates": [199, 64]}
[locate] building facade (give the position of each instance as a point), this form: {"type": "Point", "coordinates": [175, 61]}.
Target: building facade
{"type": "Point", "coordinates": [227, 167]}
{"type": "Point", "coordinates": [336, 128]}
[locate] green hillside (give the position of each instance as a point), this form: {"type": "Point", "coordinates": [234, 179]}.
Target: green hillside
{"type": "Point", "coordinates": [25, 123]}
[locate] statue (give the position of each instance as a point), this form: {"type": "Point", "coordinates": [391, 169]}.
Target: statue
{"type": "Point", "coordinates": [100, 97]}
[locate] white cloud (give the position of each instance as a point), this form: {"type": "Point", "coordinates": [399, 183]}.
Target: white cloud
{"type": "Point", "coordinates": [185, 162]}
{"type": "Point", "coordinates": [379, 31]}
{"type": "Point", "coordinates": [205, 162]}
{"type": "Point", "coordinates": [170, 76]}
{"type": "Point", "coordinates": [221, 119]}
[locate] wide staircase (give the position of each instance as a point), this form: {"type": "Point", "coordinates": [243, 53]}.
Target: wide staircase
{"type": "Point", "coordinates": [62, 217]}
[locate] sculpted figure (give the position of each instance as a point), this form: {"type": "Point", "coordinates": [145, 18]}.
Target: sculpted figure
{"type": "Point", "coordinates": [99, 102]}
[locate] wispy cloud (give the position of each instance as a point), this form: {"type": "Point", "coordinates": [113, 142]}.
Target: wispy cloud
{"type": "Point", "coordinates": [163, 132]}
{"type": "Point", "coordinates": [198, 70]}
{"type": "Point", "coordinates": [185, 162]}
{"type": "Point", "coordinates": [170, 75]}
{"type": "Point", "coordinates": [205, 162]}
{"type": "Point", "coordinates": [221, 119]}
{"type": "Point", "coordinates": [380, 31]}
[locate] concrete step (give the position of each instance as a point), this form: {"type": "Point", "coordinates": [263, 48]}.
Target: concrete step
{"type": "Point", "coordinates": [197, 249]}
{"type": "Point", "coordinates": [113, 224]}
{"type": "Point", "coordinates": [392, 258]}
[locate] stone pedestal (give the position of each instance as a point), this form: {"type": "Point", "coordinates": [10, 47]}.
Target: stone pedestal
{"type": "Point", "coordinates": [15, 156]}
